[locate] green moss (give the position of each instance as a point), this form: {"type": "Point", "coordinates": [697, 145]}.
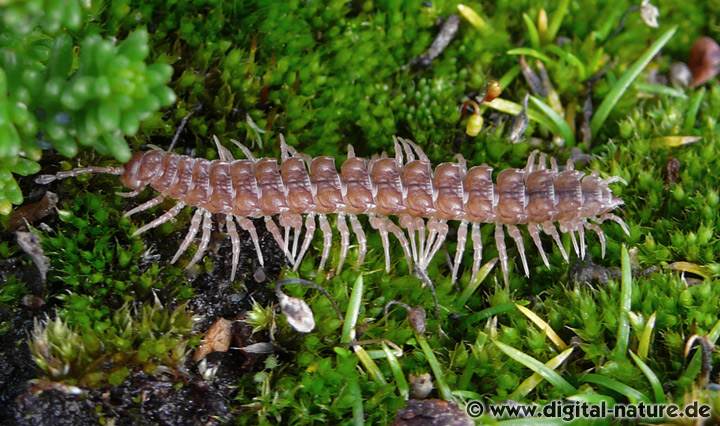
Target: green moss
{"type": "Point", "coordinates": [147, 337]}
{"type": "Point", "coordinates": [329, 74]}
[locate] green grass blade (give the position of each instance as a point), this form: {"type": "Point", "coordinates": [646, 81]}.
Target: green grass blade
{"type": "Point", "coordinates": [652, 378]}
{"type": "Point", "coordinates": [532, 32]}
{"type": "Point", "coordinates": [509, 76]}
{"type": "Point", "coordinates": [544, 327]}
{"type": "Point", "coordinates": [569, 58]}
{"type": "Point", "coordinates": [397, 372]}
{"type": "Point", "coordinates": [358, 418]}
{"type": "Point", "coordinates": [556, 20]}
{"type": "Point", "coordinates": [660, 89]}
{"type": "Point", "coordinates": [369, 365]}
{"type": "Point", "coordinates": [646, 336]}
{"type": "Point", "coordinates": [627, 78]}
{"type": "Point", "coordinates": [531, 382]}
{"type": "Point", "coordinates": [538, 367]}
{"type": "Point", "coordinates": [491, 311]}
{"type": "Point", "coordinates": [512, 108]}
{"type": "Point", "coordinates": [560, 126]}
{"type": "Point", "coordinates": [623, 332]}
{"type": "Point", "coordinates": [353, 310]}
{"type": "Point", "coordinates": [530, 52]}
{"type": "Point", "coordinates": [693, 108]}
{"type": "Point", "coordinates": [472, 286]}
{"type": "Point", "coordinates": [631, 393]}
{"type": "Point", "coordinates": [436, 368]}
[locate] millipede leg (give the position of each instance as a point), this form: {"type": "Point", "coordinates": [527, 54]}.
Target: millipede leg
{"type": "Point", "coordinates": [535, 235]}
{"type": "Point", "coordinates": [600, 234]}
{"type": "Point", "coordinates": [327, 240]}
{"type": "Point", "coordinates": [408, 223]}
{"type": "Point", "coordinates": [272, 227]}
{"type": "Point", "coordinates": [192, 231]}
{"type": "Point", "coordinates": [515, 234]}
{"type": "Point", "coordinates": [296, 239]}
{"type": "Point", "coordinates": [431, 226]}
{"type": "Point", "coordinates": [144, 206]}
{"type": "Point", "coordinates": [360, 235]}
{"type": "Point", "coordinates": [408, 150]}
{"type": "Point", "coordinates": [502, 251]}
{"type": "Point", "coordinates": [542, 161]}
{"type": "Point", "coordinates": [235, 240]}
{"type": "Point", "coordinates": [398, 233]}
{"type": "Point", "coordinates": [130, 194]}
{"type": "Point", "coordinates": [162, 219]}
{"type": "Point", "coordinates": [554, 165]}
{"type": "Point", "coordinates": [376, 223]}
{"type": "Point", "coordinates": [442, 230]}
{"type": "Point", "coordinates": [204, 239]}
{"type": "Point", "coordinates": [581, 237]}
{"type": "Point", "coordinates": [248, 154]}
{"type": "Point", "coordinates": [461, 237]}
{"type": "Point", "coordinates": [530, 166]}
{"type": "Point", "coordinates": [549, 229]}
{"type": "Point", "coordinates": [286, 241]}
{"type": "Point", "coordinates": [309, 233]}
{"type": "Point", "coordinates": [574, 241]}
{"type": "Point", "coordinates": [420, 153]}
{"type": "Point", "coordinates": [247, 225]}
{"type": "Point", "coordinates": [610, 216]}
{"type": "Point", "coordinates": [223, 153]}
{"type": "Point", "coordinates": [477, 250]}
{"type": "Point", "coordinates": [421, 230]}
{"type": "Point", "coordinates": [344, 240]}
{"type": "Point", "coordinates": [398, 153]}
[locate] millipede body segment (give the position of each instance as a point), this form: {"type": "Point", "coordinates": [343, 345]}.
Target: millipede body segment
{"type": "Point", "coordinates": [301, 192]}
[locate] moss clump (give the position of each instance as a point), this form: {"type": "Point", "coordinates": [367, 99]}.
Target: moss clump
{"type": "Point", "coordinates": [147, 337]}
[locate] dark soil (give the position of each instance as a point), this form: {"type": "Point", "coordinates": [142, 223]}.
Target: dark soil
{"type": "Point", "coordinates": [143, 399]}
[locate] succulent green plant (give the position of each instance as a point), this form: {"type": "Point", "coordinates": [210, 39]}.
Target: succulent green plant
{"type": "Point", "coordinates": [54, 93]}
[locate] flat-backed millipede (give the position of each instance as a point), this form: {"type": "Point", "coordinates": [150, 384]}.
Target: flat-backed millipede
{"type": "Point", "coordinates": [300, 189]}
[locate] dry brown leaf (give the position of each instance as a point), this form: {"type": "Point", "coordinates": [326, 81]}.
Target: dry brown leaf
{"type": "Point", "coordinates": [217, 339]}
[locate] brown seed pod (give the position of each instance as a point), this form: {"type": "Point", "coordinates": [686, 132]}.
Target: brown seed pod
{"type": "Point", "coordinates": [704, 60]}
{"type": "Point", "coordinates": [299, 190]}
{"type": "Point", "coordinates": [492, 91]}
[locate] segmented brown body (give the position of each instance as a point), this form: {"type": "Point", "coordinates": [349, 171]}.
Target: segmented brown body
{"type": "Point", "coordinates": [404, 186]}
{"type": "Point", "coordinates": [383, 187]}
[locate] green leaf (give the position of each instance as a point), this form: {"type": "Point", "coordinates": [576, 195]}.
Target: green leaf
{"type": "Point", "coordinates": [560, 125]}
{"type": "Point", "coordinates": [397, 372]}
{"type": "Point", "coordinates": [538, 367]}
{"type": "Point", "coordinates": [532, 32]}
{"type": "Point", "coordinates": [531, 382]}
{"type": "Point", "coordinates": [436, 368]}
{"type": "Point", "coordinates": [619, 88]}
{"type": "Point", "coordinates": [557, 19]}
{"type": "Point", "coordinates": [693, 108]}
{"type": "Point", "coordinates": [632, 394]}
{"type": "Point", "coordinates": [530, 52]}
{"type": "Point", "coordinates": [353, 310]}
{"type": "Point", "coordinates": [652, 378]}
{"type": "Point", "coordinates": [623, 331]}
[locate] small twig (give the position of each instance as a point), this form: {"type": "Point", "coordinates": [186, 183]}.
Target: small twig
{"type": "Point", "coordinates": [442, 40]}
{"type": "Point", "coordinates": [180, 128]}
